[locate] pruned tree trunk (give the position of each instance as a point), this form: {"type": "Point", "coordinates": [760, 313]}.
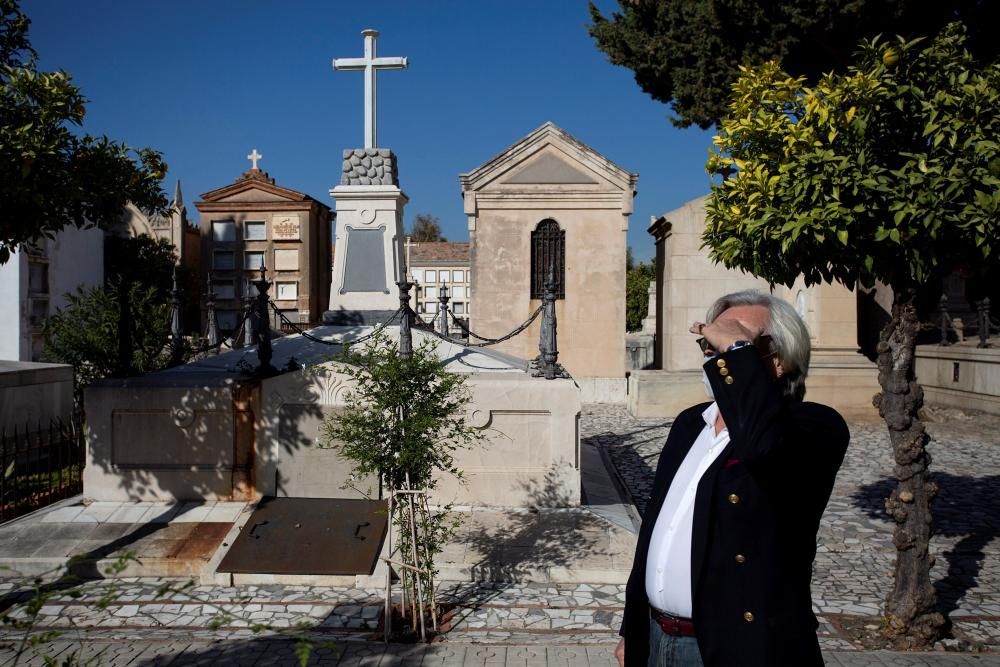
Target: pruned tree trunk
{"type": "Point", "coordinates": [910, 607]}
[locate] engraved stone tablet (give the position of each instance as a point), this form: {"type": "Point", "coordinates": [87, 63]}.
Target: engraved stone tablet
{"type": "Point", "coordinates": [364, 268]}
{"type": "Point", "coordinates": [285, 227]}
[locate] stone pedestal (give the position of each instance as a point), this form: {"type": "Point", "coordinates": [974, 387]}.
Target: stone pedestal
{"type": "Point", "coordinates": [369, 239]}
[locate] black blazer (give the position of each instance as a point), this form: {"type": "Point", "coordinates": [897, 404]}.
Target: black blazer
{"type": "Point", "coordinates": [756, 515]}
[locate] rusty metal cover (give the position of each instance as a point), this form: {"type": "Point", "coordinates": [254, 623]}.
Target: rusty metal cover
{"type": "Point", "coordinates": [310, 536]}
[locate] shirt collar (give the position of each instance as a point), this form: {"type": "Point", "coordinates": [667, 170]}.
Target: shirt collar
{"type": "Point", "coordinates": [710, 413]}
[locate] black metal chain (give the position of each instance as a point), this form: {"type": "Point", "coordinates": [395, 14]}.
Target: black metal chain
{"type": "Point", "coordinates": [308, 336]}
{"type": "Point", "coordinates": [487, 342]}
{"type": "Point", "coordinates": [230, 340]}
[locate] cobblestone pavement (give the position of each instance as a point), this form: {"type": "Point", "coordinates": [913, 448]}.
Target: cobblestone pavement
{"type": "Point", "coordinates": [855, 554]}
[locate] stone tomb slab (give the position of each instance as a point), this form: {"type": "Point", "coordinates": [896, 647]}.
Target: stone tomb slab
{"type": "Point", "coordinates": [318, 536]}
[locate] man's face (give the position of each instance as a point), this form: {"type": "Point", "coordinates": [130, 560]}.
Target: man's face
{"type": "Point", "coordinates": [754, 318]}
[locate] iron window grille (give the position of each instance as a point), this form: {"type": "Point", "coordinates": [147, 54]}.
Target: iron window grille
{"type": "Point", "coordinates": [548, 251]}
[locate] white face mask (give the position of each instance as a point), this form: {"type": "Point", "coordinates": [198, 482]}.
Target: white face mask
{"type": "Point", "coordinates": [708, 385]}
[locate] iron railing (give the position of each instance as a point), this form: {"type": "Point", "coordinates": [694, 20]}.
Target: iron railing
{"type": "Point", "coordinates": [40, 465]}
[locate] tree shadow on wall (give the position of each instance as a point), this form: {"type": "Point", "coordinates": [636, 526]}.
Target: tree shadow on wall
{"type": "Point", "coordinates": [967, 508]}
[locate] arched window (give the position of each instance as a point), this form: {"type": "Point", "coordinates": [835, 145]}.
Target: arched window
{"type": "Point", "coordinates": [548, 253]}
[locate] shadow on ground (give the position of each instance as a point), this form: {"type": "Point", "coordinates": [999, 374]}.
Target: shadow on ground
{"type": "Point", "coordinates": [635, 469]}
{"type": "Point", "coordinates": [967, 508]}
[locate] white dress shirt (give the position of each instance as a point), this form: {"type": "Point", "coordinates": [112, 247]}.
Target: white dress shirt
{"type": "Point", "coordinates": [668, 564]}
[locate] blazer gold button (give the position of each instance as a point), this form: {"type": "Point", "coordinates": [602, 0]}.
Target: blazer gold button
{"type": "Point", "coordinates": [748, 617]}
{"type": "Point", "coordinates": [721, 363]}
{"type": "Point", "coordinates": [723, 371]}
{"type": "Point", "coordinates": [733, 498]}
{"type": "Point", "coordinates": [729, 379]}
{"type": "Point", "coordinates": [740, 558]}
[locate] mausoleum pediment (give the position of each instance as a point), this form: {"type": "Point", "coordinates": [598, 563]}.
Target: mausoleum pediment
{"type": "Point", "coordinates": [254, 186]}
{"type": "Point", "coordinates": [553, 158]}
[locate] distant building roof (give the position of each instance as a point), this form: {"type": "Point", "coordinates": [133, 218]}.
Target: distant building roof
{"type": "Point", "coordinates": [442, 251]}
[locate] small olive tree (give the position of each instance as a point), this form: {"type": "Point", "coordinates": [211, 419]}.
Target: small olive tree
{"type": "Point", "coordinates": [404, 421]}
{"type": "Point", "coordinates": [891, 173]}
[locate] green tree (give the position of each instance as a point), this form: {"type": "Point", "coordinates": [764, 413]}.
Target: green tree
{"type": "Point", "coordinates": [426, 229]}
{"type": "Point", "coordinates": [49, 176]}
{"type": "Point", "coordinates": [84, 334]}
{"type": "Point", "coordinates": [88, 332]}
{"type": "Point", "coordinates": [404, 421]}
{"type": "Point", "coordinates": [889, 172]}
{"type": "Point", "coordinates": [637, 295]}
{"type": "Point", "coordinates": [686, 52]}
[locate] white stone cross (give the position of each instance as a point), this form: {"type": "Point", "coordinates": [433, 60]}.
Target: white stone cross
{"type": "Point", "coordinates": [370, 64]}
{"type": "Point", "coordinates": [254, 156]}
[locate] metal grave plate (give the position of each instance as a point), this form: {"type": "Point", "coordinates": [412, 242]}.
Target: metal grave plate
{"type": "Point", "coordinates": [310, 536]}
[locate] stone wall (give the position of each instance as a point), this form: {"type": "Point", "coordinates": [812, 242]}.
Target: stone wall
{"type": "Point", "coordinates": [33, 394]}
{"type": "Point", "coordinates": [960, 376]}
{"type": "Point", "coordinates": [186, 437]}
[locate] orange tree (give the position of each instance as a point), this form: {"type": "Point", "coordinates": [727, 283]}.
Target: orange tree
{"type": "Point", "coordinates": [50, 176]}
{"type": "Point", "coordinates": [889, 172]}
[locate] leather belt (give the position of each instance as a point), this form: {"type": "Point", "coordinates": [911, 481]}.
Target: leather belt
{"type": "Point", "coordinates": [672, 625]}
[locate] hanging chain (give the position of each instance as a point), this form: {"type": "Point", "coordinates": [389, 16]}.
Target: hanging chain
{"type": "Point", "coordinates": [230, 340]}
{"type": "Point", "coordinates": [308, 336]}
{"type": "Point", "coordinates": [487, 342]}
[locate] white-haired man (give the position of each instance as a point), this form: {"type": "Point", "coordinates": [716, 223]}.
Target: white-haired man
{"type": "Point", "coordinates": [723, 562]}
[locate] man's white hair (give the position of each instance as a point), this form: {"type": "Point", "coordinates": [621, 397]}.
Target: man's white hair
{"type": "Point", "coordinates": [789, 335]}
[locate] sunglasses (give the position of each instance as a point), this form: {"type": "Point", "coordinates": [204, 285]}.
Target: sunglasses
{"type": "Point", "coordinates": [763, 341]}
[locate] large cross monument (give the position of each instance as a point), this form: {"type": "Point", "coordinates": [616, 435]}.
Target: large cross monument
{"type": "Point", "coordinates": [369, 235]}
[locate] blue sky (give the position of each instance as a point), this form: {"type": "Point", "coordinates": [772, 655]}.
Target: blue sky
{"type": "Point", "coordinates": [205, 82]}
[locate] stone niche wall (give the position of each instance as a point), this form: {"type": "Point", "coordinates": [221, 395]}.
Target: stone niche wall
{"type": "Point", "coordinates": [187, 438]}
{"type": "Point", "coordinates": [157, 439]}
{"type": "Point", "coordinates": [530, 456]}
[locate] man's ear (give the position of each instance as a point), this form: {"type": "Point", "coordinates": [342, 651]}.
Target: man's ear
{"type": "Point", "coordinates": [779, 370]}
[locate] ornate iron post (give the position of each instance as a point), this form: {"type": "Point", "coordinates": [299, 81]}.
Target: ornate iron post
{"type": "Point", "coordinates": [264, 352]}
{"type": "Point", "coordinates": [212, 330]}
{"type": "Point", "coordinates": [249, 330]}
{"type": "Point", "coordinates": [405, 322]}
{"type": "Point", "coordinates": [945, 323]}
{"type": "Point", "coordinates": [176, 328]}
{"type": "Point", "coordinates": [547, 346]}
{"type": "Point", "coordinates": [443, 298]}
{"type": "Point", "coordinates": [983, 311]}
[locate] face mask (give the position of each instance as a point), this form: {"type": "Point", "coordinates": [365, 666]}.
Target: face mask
{"type": "Point", "coordinates": [708, 385]}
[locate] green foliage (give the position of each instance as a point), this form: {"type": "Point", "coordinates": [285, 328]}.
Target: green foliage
{"type": "Point", "coordinates": [637, 295]}
{"type": "Point", "coordinates": [686, 52]}
{"type": "Point", "coordinates": [49, 176]}
{"type": "Point", "coordinates": [405, 417]}
{"type": "Point", "coordinates": [404, 421]}
{"type": "Point", "coordinates": [888, 172]}
{"type": "Point", "coordinates": [85, 332]}
{"type": "Point", "coordinates": [426, 229]}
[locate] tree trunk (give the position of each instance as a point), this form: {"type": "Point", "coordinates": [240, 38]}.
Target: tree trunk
{"type": "Point", "coordinates": [910, 607]}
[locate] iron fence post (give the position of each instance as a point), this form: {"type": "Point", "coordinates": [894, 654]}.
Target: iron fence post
{"type": "Point", "coordinates": [983, 310]}
{"type": "Point", "coordinates": [264, 351]}
{"type": "Point", "coordinates": [443, 298]}
{"type": "Point", "coordinates": [945, 321]}
{"type": "Point", "coordinates": [249, 331]}
{"type": "Point", "coordinates": [547, 344]}
{"type": "Point", "coordinates": [212, 332]}
{"type": "Point", "coordinates": [405, 331]}
{"type": "Point", "coordinates": [176, 328]}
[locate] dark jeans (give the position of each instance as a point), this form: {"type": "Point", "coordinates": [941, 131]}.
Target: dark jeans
{"type": "Point", "coordinates": [668, 651]}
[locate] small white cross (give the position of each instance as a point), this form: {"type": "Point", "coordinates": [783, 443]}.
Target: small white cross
{"type": "Point", "coordinates": [370, 65]}
{"type": "Point", "coordinates": [254, 156]}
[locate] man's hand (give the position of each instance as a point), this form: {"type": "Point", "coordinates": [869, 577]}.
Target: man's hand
{"type": "Point", "coordinates": [620, 652]}
{"type": "Point", "coordinates": [723, 332]}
